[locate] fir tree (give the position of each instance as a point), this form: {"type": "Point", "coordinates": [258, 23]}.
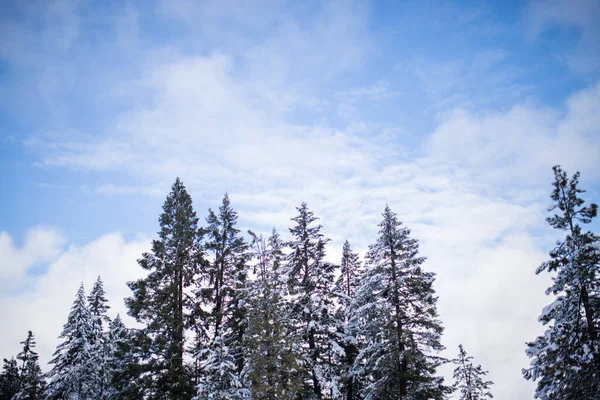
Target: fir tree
{"type": "Point", "coordinates": [395, 312]}
{"type": "Point", "coordinates": [32, 382]}
{"type": "Point", "coordinates": [312, 313]}
{"type": "Point", "coordinates": [222, 358]}
{"type": "Point", "coordinates": [160, 302]}
{"type": "Point", "coordinates": [345, 289]}
{"type": "Point", "coordinates": [270, 347]}
{"type": "Point", "coordinates": [468, 378]}
{"type": "Point", "coordinates": [10, 381]}
{"type": "Point", "coordinates": [566, 359]}
{"type": "Point", "coordinates": [70, 375]}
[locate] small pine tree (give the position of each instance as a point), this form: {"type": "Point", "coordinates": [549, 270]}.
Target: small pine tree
{"type": "Point", "coordinates": [269, 345]}
{"type": "Point", "coordinates": [121, 363]}
{"type": "Point", "coordinates": [10, 381]}
{"type": "Point", "coordinates": [395, 312]}
{"type": "Point", "coordinates": [70, 375]}
{"type": "Point", "coordinates": [468, 378]}
{"type": "Point", "coordinates": [345, 290]}
{"type": "Point", "coordinates": [566, 359]}
{"type": "Point", "coordinates": [33, 384]}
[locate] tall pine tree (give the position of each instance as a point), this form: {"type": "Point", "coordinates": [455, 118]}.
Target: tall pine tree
{"type": "Point", "coordinates": [160, 300]}
{"type": "Point", "coordinates": [70, 377]}
{"type": "Point", "coordinates": [395, 312]}
{"type": "Point", "coordinates": [566, 359]}
{"type": "Point", "coordinates": [312, 313]}
{"type": "Point", "coordinates": [468, 378]}
{"type": "Point", "coordinates": [222, 362]}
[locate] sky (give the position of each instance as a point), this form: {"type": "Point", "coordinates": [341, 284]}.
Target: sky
{"type": "Point", "coordinates": [453, 113]}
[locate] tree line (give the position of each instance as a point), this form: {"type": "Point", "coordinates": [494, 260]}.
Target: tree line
{"type": "Point", "coordinates": [224, 316]}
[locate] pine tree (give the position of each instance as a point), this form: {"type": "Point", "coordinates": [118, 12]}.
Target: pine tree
{"type": "Point", "coordinates": [270, 347]}
{"type": "Point", "coordinates": [121, 363]}
{"type": "Point", "coordinates": [395, 312]}
{"type": "Point", "coordinates": [222, 358]}
{"type": "Point", "coordinates": [10, 382]}
{"type": "Point", "coordinates": [566, 359]}
{"type": "Point", "coordinates": [98, 306]}
{"type": "Point", "coordinates": [345, 289]}
{"type": "Point", "coordinates": [160, 302]}
{"type": "Point", "coordinates": [468, 378]}
{"type": "Point", "coordinates": [32, 382]}
{"type": "Point", "coordinates": [312, 313]}
{"type": "Point", "coordinates": [70, 375]}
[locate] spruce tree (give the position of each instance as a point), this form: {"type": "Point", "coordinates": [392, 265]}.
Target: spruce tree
{"type": "Point", "coordinates": [160, 300]}
{"type": "Point", "coordinates": [566, 358]}
{"type": "Point", "coordinates": [10, 382]}
{"type": "Point", "coordinates": [70, 375]}
{"type": "Point", "coordinates": [32, 382]}
{"type": "Point", "coordinates": [269, 345]}
{"type": "Point", "coordinates": [222, 361]}
{"type": "Point", "coordinates": [312, 312]}
{"type": "Point", "coordinates": [395, 311]}
{"type": "Point", "coordinates": [345, 290]}
{"type": "Point", "coordinates": [468, 378]}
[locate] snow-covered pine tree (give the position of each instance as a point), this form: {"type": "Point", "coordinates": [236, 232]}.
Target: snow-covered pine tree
{"type": "Point", "coordinates": [10, 382]}
{"type": "Point", "coordinates": [32, 382]}
{"type": "Point", "coordinates": [70, 375]}
{"type": "Point", "coordinates": [98, 306]}
{"type": "Point", "coordinates": [160, 302]}
{"type": "Point", "coordinates": [345, 290]}
{"type": "Point", "coordinates": [468, 378]}
{"type": "Point", "coordinates": [269, 345]}
{"type": "Point", "coordinates": [312, 312]}
{"type": "Point", "coordinates": [222, 362]}
{"type": "Point", "coordinates": [395, 312]}
{"type": "Point", "coordinates": [566, 359]}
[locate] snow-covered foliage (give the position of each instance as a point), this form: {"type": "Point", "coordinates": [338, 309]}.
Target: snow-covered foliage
{"type": "Point", "coordinates": [566, 358]}
{"type": "Point", "coordinates": [468, 378]}
{"type": "Point", "coordinates": [70, 376]}
{"type": "Point", "coordinates": [312, 311]}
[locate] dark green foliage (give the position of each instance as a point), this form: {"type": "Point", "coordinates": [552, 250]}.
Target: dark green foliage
{"type": "Point", "coordinates": [160, 302]}
{"type": "Point", "coordinates": [10, 383]}
{"type": "Point", "coordinates": [566, 359]}
{"type": "Point", "coordinates": [395, 314]}
{"type": "Point", "coordinates": [32, 382]}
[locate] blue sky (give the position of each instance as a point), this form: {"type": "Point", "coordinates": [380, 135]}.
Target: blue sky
{"type": "Point", "coordinates": [451, 112]}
